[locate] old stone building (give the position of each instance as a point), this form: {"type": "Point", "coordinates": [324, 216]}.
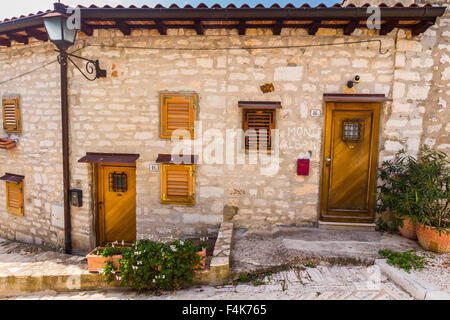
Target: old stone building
{"type": "Point", "coordinates": [180, 70]}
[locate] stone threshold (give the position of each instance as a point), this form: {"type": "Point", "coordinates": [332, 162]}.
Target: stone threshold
{"type": "Point", "coordinates": [346, 226]}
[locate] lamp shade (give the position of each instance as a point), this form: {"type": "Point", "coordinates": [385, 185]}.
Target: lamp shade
{"type": "Point", "coordinates": [58, 31]}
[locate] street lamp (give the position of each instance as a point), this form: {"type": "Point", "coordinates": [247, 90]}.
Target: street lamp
{"type": "Point", "coordinates": [58, 31]}
{"type": "Point", "coordinates": [63, 37]}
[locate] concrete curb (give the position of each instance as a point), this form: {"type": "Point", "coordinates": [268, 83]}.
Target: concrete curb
{"type": "Point", "coordinates": [219, 270]}
{"type": "Point", "coordinates": [416, 288]}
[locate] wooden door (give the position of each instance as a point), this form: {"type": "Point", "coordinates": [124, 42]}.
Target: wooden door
{"type": "Point", "coordinates": [350, 153]}
{"type": "Point", "coordinates": [116, 203]}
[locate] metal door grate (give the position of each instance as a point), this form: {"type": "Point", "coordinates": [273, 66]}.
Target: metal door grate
{"type": "Point", "coordinates": [118, 182]}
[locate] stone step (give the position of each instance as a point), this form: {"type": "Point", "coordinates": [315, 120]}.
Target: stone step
{"type": "Point", "coordinates": [346, 226]}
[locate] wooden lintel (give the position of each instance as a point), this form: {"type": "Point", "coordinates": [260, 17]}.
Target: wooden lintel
{"type": "Point", "coordinates": [350, 27]}
{"type": "Point", "coordinates": [37, 34]}
{"type": "Point", "coordinates": [388, 27]}
{"type": "Point", "coordinates": [421, 27]}
{"type": "Point", "coordinates": [18, 38]}
{"type": "Point", "coordinates": [123, 27]}
{"type": "Point", "coordinates": [162, 29]}
{"type": "Point", "coordinates": [242, 27]}
{"type": "Point", "coordinates": [199, 28]}
{"type": "Point", "coordinates": [277, 27]}
{"type": "Point", "coordinates": [87, 29]}
{"type": "Point", "coordinates": [313, 27]}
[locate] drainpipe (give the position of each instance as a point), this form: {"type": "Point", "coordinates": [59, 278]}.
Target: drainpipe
{"type": "Point", "coordinates": [65, 151]}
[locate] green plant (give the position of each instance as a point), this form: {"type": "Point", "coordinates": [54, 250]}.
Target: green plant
{"type": "Point", "coordinates": [382, 226]}
{"type": "Point", "coordinates": [417, 188]}
{"type": "Point", "coordinates": [158, 265]}
{"type": "Point", "coordinates": [404, 260]}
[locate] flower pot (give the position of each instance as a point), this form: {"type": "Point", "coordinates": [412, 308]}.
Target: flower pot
{"type": "Point", "coordinates": [97, 262]}
{"type": "Point", "coordinates": [7, 144]}
{"type": "Point", "coordinates": [408, 230]}
{"type": "Point", "coordinates": [202, 255]}
{"type": "Point", "coordinates": [430, 239]}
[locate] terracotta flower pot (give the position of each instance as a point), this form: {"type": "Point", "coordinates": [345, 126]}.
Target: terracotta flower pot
{"type": "Point", "coordinates": [97, 262]}
{"type": "Point", "coordinates": [202, 255]}
{"type": "Point", "coordinates": [430, 239]}
{"type": "Point", "coordinates": [408, 230]}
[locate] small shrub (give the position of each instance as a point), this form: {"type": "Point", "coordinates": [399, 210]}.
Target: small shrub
{"type": "Point", "coordinates": [404, 260]}
{"type": "Point", "coordinates": [382, 226]}
{"type": "Point", "coordinates": [158, 265]}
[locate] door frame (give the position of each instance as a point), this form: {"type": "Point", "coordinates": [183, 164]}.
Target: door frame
{"type": "Point", "coordinates": [98, 178]}
{"type": "Point", "coordinates": [330, 106]}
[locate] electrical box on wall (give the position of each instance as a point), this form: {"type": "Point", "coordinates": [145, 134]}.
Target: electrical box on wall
{"type": "Point", "coordinates": [76, 197]}
{"type": "Point", "coordinates": [303, 167]}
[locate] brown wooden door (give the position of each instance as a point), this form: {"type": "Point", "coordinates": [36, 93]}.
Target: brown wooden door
{"type": "Point", "coordinates": [349, 162]}
{"type": "Point", "coordinates": [116, 204]}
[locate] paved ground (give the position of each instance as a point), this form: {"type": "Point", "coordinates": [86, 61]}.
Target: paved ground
{"type": "Point", "coordinates": [267, 249]}
{"type": "Point", "coordinates": [301, 283]}
{"type": "Point", "coordinates": [343, 267]}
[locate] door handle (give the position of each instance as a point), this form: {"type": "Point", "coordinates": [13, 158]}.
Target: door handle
{"type": "Point", "coordinates": [328, 160]}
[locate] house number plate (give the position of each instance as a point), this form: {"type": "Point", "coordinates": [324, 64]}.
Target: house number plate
{"type": "Point", "coordinates": [315, 112]}
{"type": "Point", "coordinates": [154, 167]}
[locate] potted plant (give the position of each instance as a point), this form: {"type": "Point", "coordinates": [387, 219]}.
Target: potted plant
{"type": "Point", "coordinates": [99, 257]}
{"type": "Point", "coordinates": [397, 193]}
{"type": "Point", "coordinates": [157, 265]}
{"type": "Point", "coordinates": [432, 171]}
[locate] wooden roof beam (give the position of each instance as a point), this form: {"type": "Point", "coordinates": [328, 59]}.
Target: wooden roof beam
{"type": "Point", "coordinates": [276, 30]}
{"type": "Point", "coordinates": [123, 27]}
{"type": "Point", "coordinates": [162, 29]}
{"type": "Point", "coordinates": [242, 27]}
{"type": "Point", "coordinates": [350, 27]}
{"type": "Point", "coordinates": [421, 27]}
{"type": "Point", "coordinates": [37, 34]}
{"type": "Point", "coordinates": [5, 42]}
{"type": "Point", "coordinates": [87, 29]}
{"type": "Point", "coordinates": [313, 27]}
{"type": "Point", "coordinates": [199, 28]}
{"type": "Point", "coordinates": [18, 38]}
{"type": "Point", "coordinates": [388, 27]}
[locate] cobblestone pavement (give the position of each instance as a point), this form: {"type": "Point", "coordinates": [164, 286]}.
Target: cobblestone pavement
{"type": "Point", "coordinates": [297, 283]}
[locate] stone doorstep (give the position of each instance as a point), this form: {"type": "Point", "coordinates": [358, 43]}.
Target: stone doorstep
{"type": "Point", "coordinates": [218, 273]}
{"type": "Point", "coordinates": [346, 226]}
{"type": "Point", "coordinates": [410, 283]}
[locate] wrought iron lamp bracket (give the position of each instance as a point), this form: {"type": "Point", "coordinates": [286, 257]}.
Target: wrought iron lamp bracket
{"type": "Point", "coordinates": [92, 69]}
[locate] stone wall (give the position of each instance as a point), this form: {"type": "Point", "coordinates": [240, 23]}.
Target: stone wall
{"type": "Point", "coordinates": [121, 114]}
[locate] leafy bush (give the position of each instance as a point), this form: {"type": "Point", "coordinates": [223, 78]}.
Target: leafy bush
{"type": "Point", "coordinates": [108, 251]}
{"type": "Point", "coordinates": [417, 188]}
{"type": "Point", "coordinates": [404, 260]}
{"type": "Point", "coordinates": [158, 265]}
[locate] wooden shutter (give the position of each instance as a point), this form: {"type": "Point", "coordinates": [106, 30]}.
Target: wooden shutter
{"type": "Point", "coordinates": [255, 120]}
{"type": "Point", "coordinates": [11, 114]}
{"type": "Point", "coordinates": [178, 183]}
{"type": "Point", "coordinates": [178, 111]}
{"type": "Point", "coordinates": [14, 197]}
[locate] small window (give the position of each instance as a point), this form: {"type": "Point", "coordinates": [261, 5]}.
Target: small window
{"type": "Point", "coordinates": [178, 183]}
{"type": "Point", "coordinates": [11, 114]}
{"type": "Point", "coordinates": [14, 197]}
{"type": "Point", "coordinates": [352, 130]}
{"type": "Point", "coordinates": [178, 112]}
{"type": "Point", "coordinates": [118, 182]}
{"type": "Point", "coordinates": [257, 125]}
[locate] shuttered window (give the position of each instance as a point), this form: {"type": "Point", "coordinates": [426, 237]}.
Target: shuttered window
{"type": "Point", "coordinates": [11, 114]}
{"type": "Point", "coordinates": [178, 111]}
{"type": "Point", "coordinates": [14, 197]}
{"type": "Point", "coordinates": [257, 125]}
{"type": "Point", "coordinates": [178, 183]}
